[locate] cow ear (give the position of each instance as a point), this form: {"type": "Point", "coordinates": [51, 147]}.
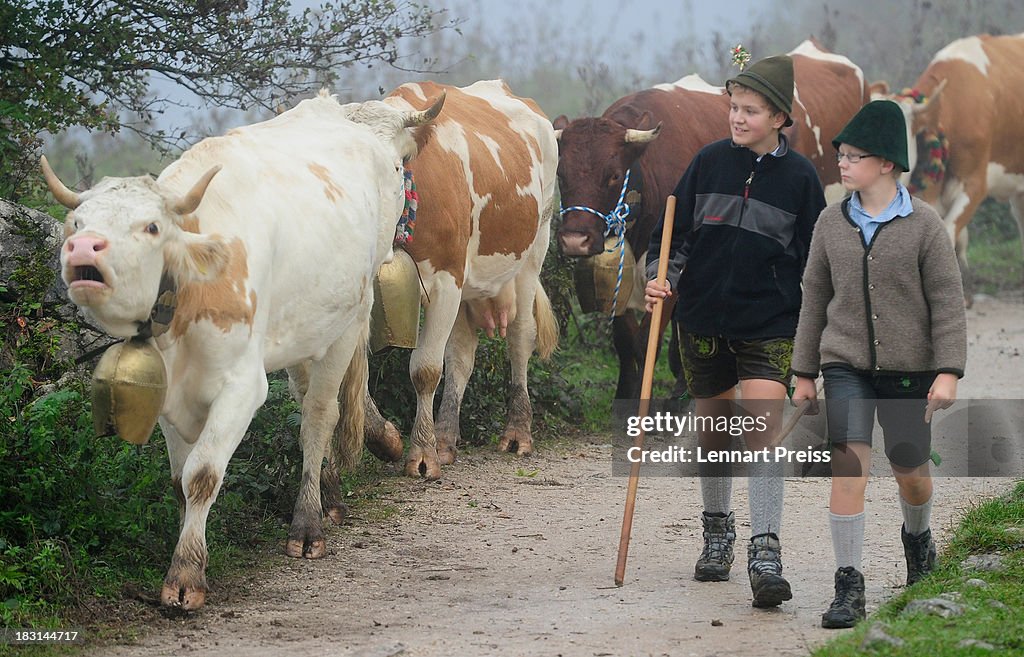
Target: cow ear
{"type": "Point", "coordinates": [196, 258]}
{"type": "Point", "coordinates": [561, 122]}
{"type": "Point", "coordinates": [645, 121]}
{"type": "Point", "coordinates": [877, 89]}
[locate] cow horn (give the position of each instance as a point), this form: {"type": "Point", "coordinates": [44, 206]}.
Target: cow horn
{"type": "Point", "coordinates": [189, 202]}
{"type": "Point", "coordinates": [936, 92]}
{"type": "Point", "coordinates": [558, 135]}
{"type": "Point", "coordinates": [425, 116]}
{"type": "Point", "coordinates": [64, 196]}
{"type": "Point", "coordinates": [642, 136]}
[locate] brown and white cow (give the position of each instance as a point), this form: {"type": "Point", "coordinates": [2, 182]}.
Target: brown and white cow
{"type": "Point", "coordinates": [654, 134]}
{"type": "Point", "coordinates": [270, 238]}
{"type": "Point", "coordinates": [972, 96]}
{"type": "Point", "coordinates": [485, 173]}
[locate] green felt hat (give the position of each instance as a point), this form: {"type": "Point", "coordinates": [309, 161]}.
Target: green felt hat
{"type": "Point", "coordinates": [772, 77]}
{"type": "Point", "coordinates": [880, 129]}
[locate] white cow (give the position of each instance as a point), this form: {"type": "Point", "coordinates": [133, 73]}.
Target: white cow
{"type": "Point", "coordinates": [270, 236]}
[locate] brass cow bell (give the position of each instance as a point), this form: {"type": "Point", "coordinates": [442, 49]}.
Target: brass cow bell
{"type": "Point", "coordinates": [128, 390]}
{"type": "Point", "coordinates": [395, 316]}
{"type": "Point", "coordinates": [595, 279]}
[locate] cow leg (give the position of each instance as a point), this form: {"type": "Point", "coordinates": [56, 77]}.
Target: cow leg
{"type": "Point", "coordinates": [177, 453]}
{"type": "Point", "coordinates": [382, 437]}
{"type": "Point", "coordinates": [624, 339]}
{"type": "Point", "coordinates": [1017, 209]}
{"type": "Point", "coordinates": [522, 337]}
{"type": "Point", "coordinates": [961, 209]}
{"type": "Point", "coordinates": [459, 357]}
{"type": "Point", "coordinates": [346, 450]}
{"type": "Point", "coordinates": [425, 370]}
{"type": "Point", "coordinates": [320, 415]}
{"type": "Point", "coordinates": [298, 380]}
{"type": "Point", "coordinates": [202, 466]}
{"type": "Point", "coordinates": [966, 278]}
{"type": "Point", "coordinates": [330, 478]}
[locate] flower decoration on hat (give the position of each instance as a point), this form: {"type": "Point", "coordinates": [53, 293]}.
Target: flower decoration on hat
{"type": "Point", "coordinates": [740, 56]}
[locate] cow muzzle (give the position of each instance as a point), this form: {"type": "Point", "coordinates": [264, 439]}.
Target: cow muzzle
{"type": "Point", "coordinates": [84, 271]}
{"type": "Point", "coordinates": [575, 243]}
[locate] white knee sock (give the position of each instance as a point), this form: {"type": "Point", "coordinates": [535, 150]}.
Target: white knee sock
{"type": "Point", "coordinates": [916, 518]}
{"type": "Point", "coordinates": [847, 539]}
{"type": "Point", "coordinates": [717, 494]}
{"type": "Point", "coordinates": [765, 487]}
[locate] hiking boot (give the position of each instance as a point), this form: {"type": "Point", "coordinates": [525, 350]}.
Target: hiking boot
{"type": "Point", "coordinates": [920, 552]}
{"type": "Point", "coordinates": [764, 566]}
{"type": "Point", "coordinates": [715, 560]}
{"type": "Point", "coordinates": [848, 607]}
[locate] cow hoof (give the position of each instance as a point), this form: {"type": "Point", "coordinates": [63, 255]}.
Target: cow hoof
{"type": "Point", "coordinates": [336, 514]}
{"type": "Point", "coordinates": [446, 455]}
{"type": "Point", "coordinates": [309, 549]}
{"type": "Point", "coordinates": [180, 596]}
{"type": "Point", "coordinates": [517, 444]}
{"type": "Point", "coordinates": [387, 447]}
{"type": "Point", "coordinates": [424, 467]}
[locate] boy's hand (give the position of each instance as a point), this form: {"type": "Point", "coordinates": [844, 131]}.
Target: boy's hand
{"type": "Point", "coordinates": [942, 394]}
{"type": "Point", "coordinates": [653, 292]}
{"type": "Point", "coordinates": [804, 391]}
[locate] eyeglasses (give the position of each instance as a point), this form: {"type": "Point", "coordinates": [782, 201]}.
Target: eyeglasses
{"type": "Point", "coordinates": [852, 158]}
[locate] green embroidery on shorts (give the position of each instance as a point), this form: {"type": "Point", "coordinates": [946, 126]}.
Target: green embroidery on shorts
{"type": "Point", "coordinates": [704, 346]}
{"type": "Point", "coordinates": [780, 355]}
{"type": "Point", "coordinates": [905, 382]}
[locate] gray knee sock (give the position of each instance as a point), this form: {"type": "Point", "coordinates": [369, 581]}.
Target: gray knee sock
{"type": "Point", "coordinates": [916, 518]}
{"type": "Point", "coordinates": [717, 493]}
{"type": "Point", "coordinates": [847, 539]}
{"type": "Point", "coordinates": [765, 487]}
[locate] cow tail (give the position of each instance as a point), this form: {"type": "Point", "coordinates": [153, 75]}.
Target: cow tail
{"type": "Point", "coordinates": [348, 437]}
{"type": "Point", "coordinates": [547, 327]}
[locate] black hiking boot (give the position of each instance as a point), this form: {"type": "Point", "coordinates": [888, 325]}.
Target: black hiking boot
{"type": "Point", "coordinates": [764, 566]}
{"type": "Point", "coordinates": [920, 552]}
{"type": "Point", "coordinates": [848, 607]}
{"type": "Point", "coordinates": [715, 560]}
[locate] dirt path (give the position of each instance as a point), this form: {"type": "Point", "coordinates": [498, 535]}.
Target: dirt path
{"type": "Point", "coordinates": [489, 561]}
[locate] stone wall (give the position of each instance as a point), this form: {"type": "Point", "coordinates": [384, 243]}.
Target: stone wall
{"type": "Point", "coordinates": [31, 240]}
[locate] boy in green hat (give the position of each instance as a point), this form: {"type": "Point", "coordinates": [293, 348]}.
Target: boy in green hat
{"type": "Point", "coordinates": [745, 210]}
{"type": "Point", "coordinates": [883, 320]}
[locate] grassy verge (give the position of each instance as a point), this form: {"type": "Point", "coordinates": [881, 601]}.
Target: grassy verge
{"type": "Point", "coordinates": [993, 613]}
{"type": "Point", "coordinates": [994, 250]}
{"type": "Point", "coordinates": [588, 363]}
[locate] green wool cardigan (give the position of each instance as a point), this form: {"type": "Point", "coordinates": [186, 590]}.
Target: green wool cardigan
{"type": "Point", "coordinates": [895, 306]}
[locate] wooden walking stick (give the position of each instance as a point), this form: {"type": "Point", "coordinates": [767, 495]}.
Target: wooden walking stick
{"type": "Point", "coordinates": [653, 337]}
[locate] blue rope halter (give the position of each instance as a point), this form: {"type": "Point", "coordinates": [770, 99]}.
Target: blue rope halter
{"type": "Point", "coordinates": [615, 223]}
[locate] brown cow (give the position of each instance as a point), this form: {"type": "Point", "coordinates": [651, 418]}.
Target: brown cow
{"type": "Point", "coordinates": [966, 115]}
{"type": "Point", "coordinates": [654, 134]}
{"type": "Point", "coordinates": [485, 173]}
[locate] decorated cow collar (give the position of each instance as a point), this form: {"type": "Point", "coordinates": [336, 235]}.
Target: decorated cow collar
{"type": "Point", "coordinates": [932, 151]}
{"type": "Point", "coordinates": [407, 222]}
{"type": "Point", "coordinates": [163, 310]}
